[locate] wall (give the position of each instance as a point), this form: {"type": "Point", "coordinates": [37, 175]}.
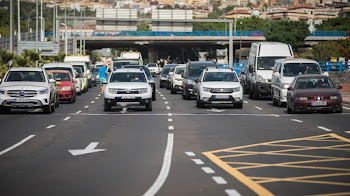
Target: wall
{"type": "Point", "coordinates": [341, 77]}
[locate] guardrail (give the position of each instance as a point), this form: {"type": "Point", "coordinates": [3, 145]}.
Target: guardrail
{"type": "Point", "coordinates": [194, 33]}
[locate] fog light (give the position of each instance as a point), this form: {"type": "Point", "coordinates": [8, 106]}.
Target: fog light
{"type": "Point", "coordinates": [205, 98]}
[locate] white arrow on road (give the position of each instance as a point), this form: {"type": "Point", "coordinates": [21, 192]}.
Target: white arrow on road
{"type": "Point", "coordinates": [215, 110]}
{"type": "Point", "coordinates": [89, 149]}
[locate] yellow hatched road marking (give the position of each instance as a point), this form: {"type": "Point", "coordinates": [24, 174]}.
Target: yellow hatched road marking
{"type": "Point", "coordinates": [333, 194]}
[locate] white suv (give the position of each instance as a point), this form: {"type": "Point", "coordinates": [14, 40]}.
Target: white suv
{"type": "Point", "coordinates": [219, 86]}
{"type": "Point", "coordinates": [176, 80]}
{"type": "Point", "coordinates": [27, 88]}
{"type": "Point", "coordinates": [128, 85]}
{"type": "Point", "coordinates": [153, 68]}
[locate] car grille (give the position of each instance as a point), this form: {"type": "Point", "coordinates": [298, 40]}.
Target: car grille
{"type": "Point", "coordinates": [318, 98]}
{"type": "Point", "coordinates": [22, 93]}
{"type": "Point", "coordinates": [128, 91]}
{"type": "Point", "coordinates": [222, 90]}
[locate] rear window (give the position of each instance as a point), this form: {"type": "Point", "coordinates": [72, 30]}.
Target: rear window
{"type": "Point", "coordinates": [220, 77]}
{"type": "Point", "coordinates": [61, 68]}
{"type": "Point", "coordinates": [61, 77]}
{"type": "Point", "coordinates": [152, 65]}
{"type": "Point", "coordinates": [294, 69]}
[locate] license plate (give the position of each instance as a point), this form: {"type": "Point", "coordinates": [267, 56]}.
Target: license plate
{"type": "Point", "coordinates": [128, 97]}
{"type": "Point", "coordinates": [21, 100]}
{"type": "Point", "coordinates": [319, 103]}
{"type": "Point", "coordinates": [222, 97]}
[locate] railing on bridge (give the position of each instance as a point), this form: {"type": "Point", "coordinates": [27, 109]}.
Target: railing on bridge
{"type": "Point", "coordinates": [328, 34]}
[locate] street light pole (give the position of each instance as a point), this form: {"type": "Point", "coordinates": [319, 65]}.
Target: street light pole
{"type": "Point", "coordinates": [230, 58]}
{"type": "Point", "coordinates": [74, 40]}
{"type": "Point", "coordinates": [84, 31]}
{"type": "Point", "coordinates": [41, 22]}
{"type": "Point", "coordinates": [81, 32]}
{"type": "Point", "coordinates": [37, 27]}
{"type": "Point", "coordinates": [65, 28]}
{"type": "Point", "coordinates": [19, 22]}
{"type": "Point", "coordinates": [235, 21]}
{"type": "Point", "coordinates": [11, 27]}
{"type": "Point", "coordinates": [240, 42]}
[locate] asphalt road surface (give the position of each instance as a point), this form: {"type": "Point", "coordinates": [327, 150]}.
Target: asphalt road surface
{"type": "Point", "coordinates": [177, 149]}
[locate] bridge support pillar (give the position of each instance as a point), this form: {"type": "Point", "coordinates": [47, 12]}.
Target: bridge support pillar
{"type": "Point", "coordinates": [153, 55]}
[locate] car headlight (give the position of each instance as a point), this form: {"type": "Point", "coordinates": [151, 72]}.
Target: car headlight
{"type": "Point", "coordinates": [143, 90]}
{"type": "Point", "coordinates": [66, 88]}
{"type": "Point", "coordinates": [191, 82]}
{"type": "Point", "coordinates": [237, 89]}
{"type": "Point", "coordinates": [334, 97]}
{"type": "Point", "coordinates": [112, 90]}
{"type": "Point", "coordinates": [44, 91]}
{"type": "Point", "coordinates": [2, 91]}
{"type": "Point", "coordinates": [301, 98]}
{"type": "Point", "coordinates": [260, 79]}
{"type": "Point", "coordinates": [285, 85]}
{"type": "Point", "coordinates": [206, 89]}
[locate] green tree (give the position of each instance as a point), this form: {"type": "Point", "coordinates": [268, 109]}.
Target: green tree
{"type": "Point", "coordinates": [5, 56]}
{"type": "Point", "coordinates": [20, 61]}
{"type": "Point", "coordinates": [143, 27]}
{"type": "Point", "coordinates": [229, 8]}
{"type": "Point", "coordinates": [253, 24]}
{"type": "Point", "coordinates": [249, 4]}
{"type": "Point", "coordinates": [217, 13]}
{"type": "Point", "coordinates": [290, 32]}
{"type": "Point", "coordinates": [94, 55]}
{"type": "Point", "coordinates": [335, 24]}
{"type": "Point", "coordinates": [321, 52]}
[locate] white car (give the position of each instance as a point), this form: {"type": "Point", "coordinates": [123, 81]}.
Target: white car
{"type": "Point", "coordinates": [219, 86]}
{"type": "Point", "coordinates": [176, 80]}
{"type": "Point", "coordinates": [27, 88]}
{"type": "Point", "coordinates": [128, 85]}
{"type": "Point", "coordinates": [153, 68]}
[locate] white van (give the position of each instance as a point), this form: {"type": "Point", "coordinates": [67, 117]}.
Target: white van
{"type": "Point", "coordinates": [130, 55]}
{"type": "Point", "coordinates": [262, 58]}
{"type": "Point", "coordinates": [81, 58]}
{"type": "Point", "coordinates": [284, 72]}
{"type": "Point", "coordinates": [84, 69]}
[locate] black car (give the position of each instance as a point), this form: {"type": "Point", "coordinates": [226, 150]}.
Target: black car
{"type": "Point", "coordinates": [149, 77]}
{"type": "Point", "coordinates": [163, 79]}
{"type": "Point", "coordinates": [191, 75]}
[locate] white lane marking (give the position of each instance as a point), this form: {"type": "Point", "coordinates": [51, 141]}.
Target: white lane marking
{"type": "Point", "coordinates": [245, 101]}
{"type": "Point", "coordinates": [208, 170]}
{"type": "Point", "coordinates": [51, 126]}
{"type": "Point", "coordinates": [164, 98]}
{"type": "Point", "coordinates": [164, 172]}
{"type": "Point", "coordinates": [219, 180]}
{"type": "Point", "coordinates": [96, 98]}
{"type": "Point", "coordinates": [67, 118]}
{"type": "Point", "coordinates": [156, 90]}
{"type": "Point", "coordinates": [296, 120]}
{"type": "Point", "coordinates": [191, 154]}
{"type": "Point", "coordinates": [185, 114]}
{"type": "Point", "coordinates": [166, 102]}
{"type": "Point", "coordinates": [124, 110]}
{"type": "Point", "coordinates": [78, 112]}
{"type": "Point", "coordinates": [161, 95]}
{"type": "Point", "coordinates": [324, 128]}
{"type": "Point", "coordinates": [171, 127]}
{"type": "Point", "coordinates": [275, 115]}
{"type": "Point", "coordinates": [91, 148]}
{"type": "Point", "coordinates": [86, 106]}
{"type": "Point", "coordinates": [259, 108]}
{"type": "Point", "coordinates": [232, 192]}
{"type": "Point", "coordinates": [168, 108]}
{"type": "Point", "coordinates": [92, 101]}
{"type": "Point", "coordinates": [198, 161]}
{"type": "Point", "coordinates": [346, 108]}
{"type": "Point", "coordinates": [16, 145]}
{"type": "Point", "coordinates": [170, 120]}
{"type": "Point", "coordinates": [170, 114]}
{"type": "Point", "coordinates": [99, 95]}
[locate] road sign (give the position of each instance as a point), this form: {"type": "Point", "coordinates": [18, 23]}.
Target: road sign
{"type": "Point", "coordinates": [109, 63]}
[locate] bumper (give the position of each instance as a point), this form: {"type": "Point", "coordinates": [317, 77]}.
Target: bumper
{"type": "Point", "coordinates": [306, 106]}
{"type": "Point", "coordinates": [142, 101]}
{"type": "Point", "coordinates": [191, 90]}
{"type": "Point", "coordinates": [65, 95]}
{"type": "Point", "coordinates": [208, 97]}
{"type": "Point", "coordinates": [30, 103]}
{"type": "Point", "coordinates": [263, 88]}
{"type": "Point", "coordinates": [283, 95]}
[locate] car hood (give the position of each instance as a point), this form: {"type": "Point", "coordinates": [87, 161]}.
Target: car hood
{"type": "Point", "coordinates": [128, 85]}
{"type": "Point", "coordinates": [316, 91]}
{"type": "Point", "coordinates": [221, 84]}
{"type": "Point", "coordinates": [23, 85]}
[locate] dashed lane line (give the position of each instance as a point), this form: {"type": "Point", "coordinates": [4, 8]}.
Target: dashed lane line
{"type": "Point", "coordinates": [92, 101]}
{"type": "Point", "coordinates": [16, 145]}
{"type": "Point", "coordinates": [166, 102]}
{"type": "Point", "coordinates": [170, 114]}
{"type": "Point", "coordinates": [275, 115]}
{"type": "Point", "coordinates": [259, 108]}
{"type": "Point", "coordinates": [191, 154]}
{"type": "Point", "coordinates": [219, 180]}
{"type": "Point", "coordinates": [164, 98]}
{"type": "Point", "coordinates": [296, 120]}
{"type": "Point", "coordinates": [96, 98]}
{"type": "Point", "coordinates": [198, 161]}
{"type": "Point", "coordinates": [171, 128]}
{"type": "Point", "coordinates": [208, 170]}
{"type": "Point", "coordinates": [99, 95]}
{"type": "Point", "coordinates": [324, 128]}
{"type": "Point", "coordinates": [245, 101]}
{"type": "Point", "coordinates": [168, 108]}
{"type": "Point", "coordinates": [232, 192]}
{"type": "Point", "coordinates": [164, 172]}
{"type": "Point", "coordinates": [50, 126]}
{"type": "Point", "coordinates": [170, 120]}
{"type": "Point", "coordinates": [86, 106]}
{"type": "Point", "coordinates": [346, 108]}
{"type": "Point", "coordinates": [78, 112]}
{"type": "Point", "coordinates": [67, 118]}
{"type": "Point", "coordinates": [161, 95]}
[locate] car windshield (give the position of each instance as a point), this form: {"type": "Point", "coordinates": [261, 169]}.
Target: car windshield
{"type": "Point", "coordinates": [148, 73]}
{"type": "Point", "coordinates": [61, 76]}
{"type": "Point", "coordinates": [128, 77]}
{"type": "Point", "coordinates": [179, 70]}
{"type": "Point", "coordinates": [152, 65]}
{"type": "Point", "coordinates": [312, 83]}
{"type": "Point", "coordinates": [196, 71]}
{"type": "Point", "coordinates": [25, 76]}
{"type": "Point", "coordinates": [172, 69]}
{"type": "Point", "coordinates": [61, 68]}
{"type": "Point", "coordinates": [220, 77]}
{"type": "Point", "coordinates": [78, 70]}
{"type": "Point", "coordinates": [119, 64]}
{"type": "Point", "coordinates": [80, 66]}
{"type": "Point", "coordinates": [294, 69]}
{"type": "Point", "coordinates": [267, 63]}
{"type": "Point", "coordinates": [165, 71]}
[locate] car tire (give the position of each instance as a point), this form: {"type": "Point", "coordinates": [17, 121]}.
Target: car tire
{"type": "Point", "coordinates": [289, 110]}
{"type": "Point", "coordinates": [238, 105]}
{"type": "Point", "coordinates": [149, 106]}
{"type": "Point", "coordinates": [107, 106]}
{"type": "Point", "coordinates": [5, 110]}
{"type": "Point", "coordinates": [79, 93]}
{"type": "Point", "coordinates": [340, 110]}
{"type": "Point", "coordinates": [161, 85]}
{"type": "Point", "coordinates": [47, 109]}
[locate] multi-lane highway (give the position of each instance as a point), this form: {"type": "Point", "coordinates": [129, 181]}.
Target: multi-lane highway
{"type": "Point", "coordinates": [177, 149]}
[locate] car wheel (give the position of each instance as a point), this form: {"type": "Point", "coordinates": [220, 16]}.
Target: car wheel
{"type": "Point", "coordinates": [340, 110]}
{"type": "Point", "coordinates": [4, 110]}
{"type": "Point", "coordinates": [289, 110]}
{"type": "Point", "coordinates": [79, 93]}
{"type": "Point", "coordinates": [47, 109]}
{"type": "Point", "coordinates": [161, 85]}
{"type": "Point", "coordinates": [107, 106]}
{"type": "Point", "coordinates": [238, 105]}
{"type": "Point", "coordinates": [149, 106]}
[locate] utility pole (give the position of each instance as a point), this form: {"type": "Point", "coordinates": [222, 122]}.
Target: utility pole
{"type": "Point", "coordinates": [11, 26]}
{"type": "Point", "coordinates": [74, 40]}
{"type": "Point", "coordinates": [84, 30]}
{"type": "Point", "coordinates": [37, 26]}
{"type": "Point", "coordinates": [81, 31]}
{"type": "Point", "coordinates": [240, 42]}
{"type": "Point", "coordinates": [65, 28]}
{"type": "Point", "coordinates": [230, 57]}
{"type": "Point", "coordinates": [19, 22]}
{"type": "Point", "coordinates": [42, 37]}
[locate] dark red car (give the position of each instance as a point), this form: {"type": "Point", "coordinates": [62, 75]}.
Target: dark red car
{"type": "Point", "coordinates": [67, 91]}
{"type": "Point", "coordinates": [313, 93]}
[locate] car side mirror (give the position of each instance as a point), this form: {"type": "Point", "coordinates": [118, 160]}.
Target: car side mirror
{"type": "Point", "coordinates": [52, 81]}
{"type": "Point", "coordinates": [290, 88]}
{"type": "Point", "coordinates": [339, 87]}
{"type": "Point", "coordinates": [276, 74]}
{"type": "Point", "coordinates": [0, 80]}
